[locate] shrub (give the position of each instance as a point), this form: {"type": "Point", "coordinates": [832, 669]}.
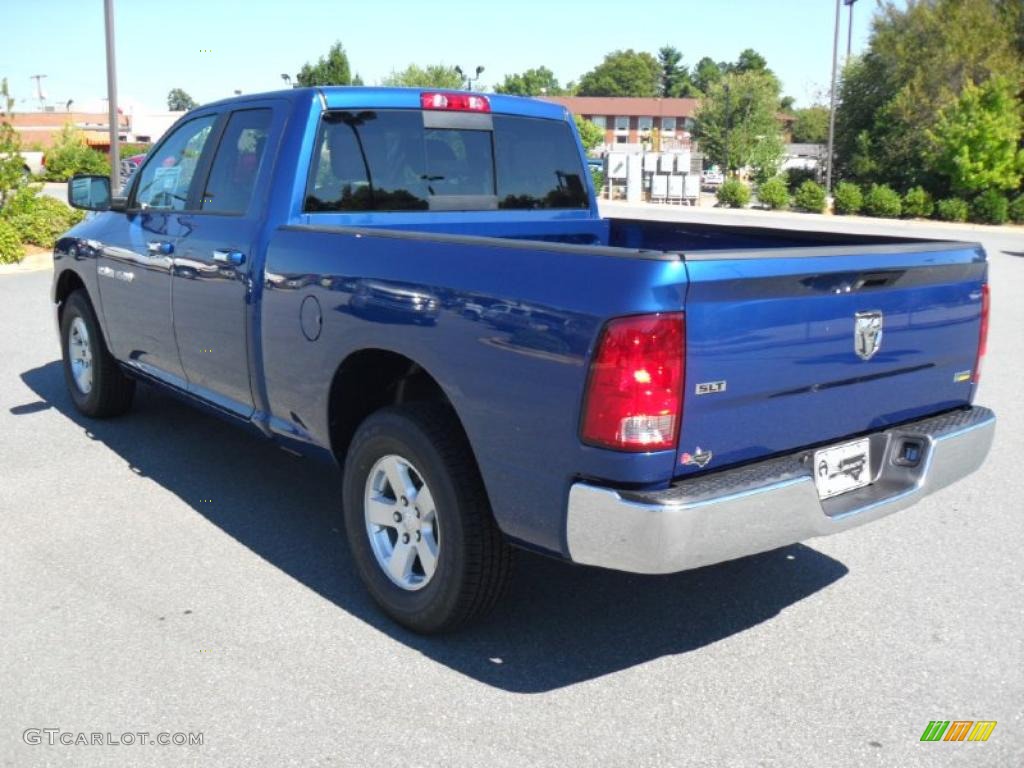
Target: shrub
{"type": "Point", "coordinates": [795, 177]}
{"type": "Point", "coordinates": [848, 199]}
{"type": "Point", "coordinates": [70, 155]}
{"type": "Point", "coordinates": [733, 193]}
{"type": "Point", "coordinates": [599, 180]}
{"type": "Point", "coordinates": [1016, 210]}
{"type": "Point", "coordinates": [990, 207]}
{"type": "Point", "coordinates": [38, 220]}
{"type": "Point", "coordinates": [11, 176]}
{"type": "Point", "coordinates": [134, 148]}
{"type": "Point", "coordinates": [11, 249]}
{"type": "Point", "coordinates": [917, 203]}
{"type": "Point", "coordinates": [810, 197]}
{"type": "Point", "coordinates": [773, 193]}
{"type": "Point", "coordinates": [951, 209]}
{"type": "Point", "coordinates": [882, 201]}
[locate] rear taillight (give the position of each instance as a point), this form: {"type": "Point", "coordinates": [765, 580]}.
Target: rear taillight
{"type": "Point", "coordinates": [634, 396]}
{"type": "Point", "coordinates": [455, 102]}
{"type": "Point", "coordinates": [983, 332]}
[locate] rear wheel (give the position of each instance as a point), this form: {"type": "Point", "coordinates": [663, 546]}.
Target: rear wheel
{"type": "Point", "coordinates": [419, 525]}
{"type": "Point", "coordinates": [94, 380]}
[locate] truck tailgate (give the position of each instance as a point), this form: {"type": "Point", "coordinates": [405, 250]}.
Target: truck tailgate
{"type": "Point", "coordinates": [788, 348]}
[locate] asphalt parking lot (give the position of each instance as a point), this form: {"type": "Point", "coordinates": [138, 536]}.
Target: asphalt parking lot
{"type": "Point", "coordinates": [165, 572]}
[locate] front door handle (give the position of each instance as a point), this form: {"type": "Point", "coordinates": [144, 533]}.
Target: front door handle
{"type": "Point", "coordinates": [159, 248]}
{"type": "Point", "coordinates": [235, 258]}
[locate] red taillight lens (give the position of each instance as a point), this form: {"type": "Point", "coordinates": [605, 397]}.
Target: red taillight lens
{"type": "Point", "coordinates": [983, 333]}
{"type": "Point", "coordinates": [634, 395]}
{"type": "Point", "coordinates": [455, 102]}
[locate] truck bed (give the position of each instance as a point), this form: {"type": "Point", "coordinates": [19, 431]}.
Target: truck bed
{"type": "Point", "coordinates": [693, 238]}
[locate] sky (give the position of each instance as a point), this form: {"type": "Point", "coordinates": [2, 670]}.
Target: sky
{"type": "Point", "coordinates": [213, 47]}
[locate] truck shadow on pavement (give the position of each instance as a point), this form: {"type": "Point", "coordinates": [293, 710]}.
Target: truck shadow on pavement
{"type": "Point", "coordinates": [559, 625]}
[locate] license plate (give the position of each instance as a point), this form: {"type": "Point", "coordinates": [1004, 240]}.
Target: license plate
{"type": "Point", "coordinates": [842, 468]}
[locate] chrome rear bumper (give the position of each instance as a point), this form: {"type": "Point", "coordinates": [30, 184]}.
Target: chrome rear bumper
{"type": "Point", "coordinates": [770, 504]}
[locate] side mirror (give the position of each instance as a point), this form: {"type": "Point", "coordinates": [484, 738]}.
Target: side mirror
{"type": "Point", "coordinates": [90, 193]}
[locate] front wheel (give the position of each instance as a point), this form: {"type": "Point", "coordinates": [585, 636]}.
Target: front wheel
{"type": "Point", "coordinates": [94, 380]}
{"type": "Point", "coordinates": [418, 521]}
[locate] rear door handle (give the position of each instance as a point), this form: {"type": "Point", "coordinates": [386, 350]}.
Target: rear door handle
{"type": "Point", "coordinates": [235, 258]}
{"type": "Point", "coordinates": [159, 248]}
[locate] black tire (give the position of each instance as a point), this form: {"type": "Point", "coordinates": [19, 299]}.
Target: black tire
{"type": "Point", "coordinates": [111, 392]}
{"type": "Point", "coordinates": [474, 559]}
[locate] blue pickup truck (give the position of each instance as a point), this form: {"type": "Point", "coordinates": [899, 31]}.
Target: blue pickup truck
{"type": "Point", "coordinates": [418, 286]}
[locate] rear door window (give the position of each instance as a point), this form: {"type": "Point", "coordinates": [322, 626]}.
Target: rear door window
{"type": "Point", "coordinates": [387, 160]}
{"type": "Point", "coordinates": [237, 163]}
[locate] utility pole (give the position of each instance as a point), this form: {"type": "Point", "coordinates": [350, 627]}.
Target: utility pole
{"type": "Point", "coordinates": [39, 90]}
{"type": "Point", "coordinates": [115, 150]}
{"type": "Point", "coordinates": [832, 104]}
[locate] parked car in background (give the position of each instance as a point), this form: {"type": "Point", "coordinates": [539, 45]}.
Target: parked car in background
{"type": "Point", "coordinates": [33, 163]}
{"type": "Point", "coordinates": [128, 167]}
{"type": "Point", "coordinates": [419, 287]}
{"type": "Point", "coordinates": [713, 177]}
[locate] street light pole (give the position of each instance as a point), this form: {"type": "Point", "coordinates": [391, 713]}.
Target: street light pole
{"type": "Point", "coordinates": [849, 31]}
{"type": "Point", "coordinates": [469, 80]}
{"type": "Point", "coordinates": [832, 104]}
{"type": "Point", "coordinates": [115, 153]}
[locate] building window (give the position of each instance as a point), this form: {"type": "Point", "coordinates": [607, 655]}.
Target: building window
{"type": "Point", "coordinates": [622, 125]}
{"type": "Point", "coordinates": [644, 124]}
{"type": "Point", "coordinates": [600, 121]}
{"type": "Point", "coordinates": [621, 139]}
{"type": "Point", "coordinates": [668, 126]}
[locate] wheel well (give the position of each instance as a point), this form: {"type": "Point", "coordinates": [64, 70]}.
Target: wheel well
{"type": "Point", "coordinates": [372, 379]}
{"type": "Point", "coordinates": [67, 283]}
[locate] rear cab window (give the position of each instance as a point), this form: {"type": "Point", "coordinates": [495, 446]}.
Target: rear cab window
{"type": "Point", "coordinates": [396, 160]}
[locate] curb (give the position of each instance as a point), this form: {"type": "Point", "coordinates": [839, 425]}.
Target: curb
{"type": "Point", "coordinates": [40, 260]}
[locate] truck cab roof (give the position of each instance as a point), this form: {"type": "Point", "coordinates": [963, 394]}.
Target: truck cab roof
{"type": "Point", "coordinates": [373, 97]}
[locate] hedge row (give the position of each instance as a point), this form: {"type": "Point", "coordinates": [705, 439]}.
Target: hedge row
{"type": "Point", "coordinates": [878, 200]}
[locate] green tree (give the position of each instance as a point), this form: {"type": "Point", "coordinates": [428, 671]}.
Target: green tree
{"type": "Point", "coordinates": [332, 69]}
{"type": "Point", "coordinates": [977, 139]}
{"type": "Point", "coordinates": [6, 100]}
{"type": "Point", "coordinates": [674, 77]}
{"type": "Point", "coordinates": [920, 58]}
{"type": "Point", "coordinates": [591, 135]}
{"type": "Point", "coordinates": [11, 165]}
{"type": "Point", "coordinates": [750, 61]}
{"type": "Point", "coordinates": [431, 76]}
{"type": "Point", "coordinates": [707, 73]}
{"type": "Point", "coordinates": [623, 73]}
{"type": "Point", "coordinates": [737, 122]}
{"type": "Point", "coordinates": [179, 101]}
{"type": "Point", "coordinates": [532, 82]}
{"type": "Point", "coordinates": [811, 125]}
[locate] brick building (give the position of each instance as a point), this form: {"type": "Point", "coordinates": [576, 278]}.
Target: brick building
{"type": "Point", "coordinates": [42, 128]}
{"type": "Point", "coordinates": [630, 121]}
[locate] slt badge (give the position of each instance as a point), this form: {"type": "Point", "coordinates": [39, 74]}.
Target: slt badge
{"type": "Point", "coordinates": [867, 333]}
